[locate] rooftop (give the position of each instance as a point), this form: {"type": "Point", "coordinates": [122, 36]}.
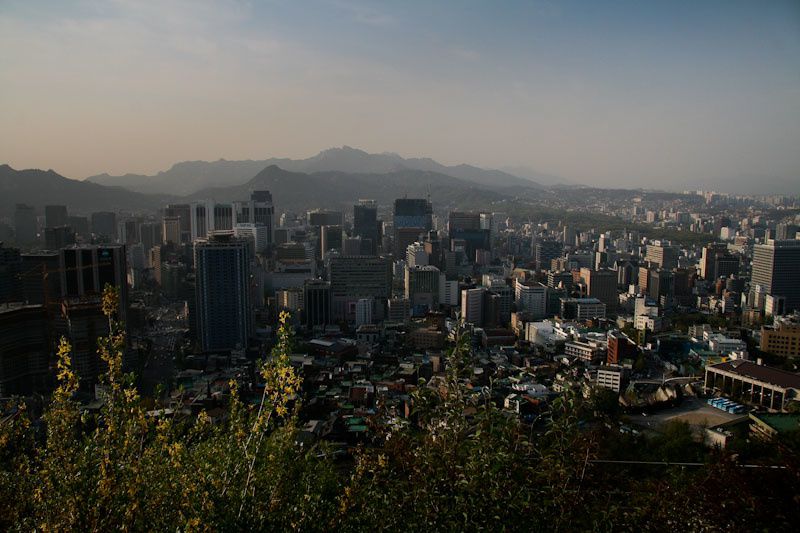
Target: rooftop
{"type": "Point", "coordinates": [767, 374]}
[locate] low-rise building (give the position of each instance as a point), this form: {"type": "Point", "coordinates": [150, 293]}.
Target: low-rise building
{"type": "Point", "coordinates": [753, 384]}
{"type": "Point", "coordinates": [783, 337]}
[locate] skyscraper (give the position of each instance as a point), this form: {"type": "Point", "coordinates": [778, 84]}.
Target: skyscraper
{"type": "Point", "coordinates": [316, 303]}
{"type": "Point", "coordinates": [55, 216]}
{"type": "Point", "coordinates": [422, 286]}
{"type": "Point", "coordinates": [472, 305]}
{"type": "Point", "coordinates": [25, 224]}
{"type": "Point", "coordinates": [356, 277]}
{"type": "Point", "coordinates": [544, 251]}
{"type": "Point", "coordinates": [602, 284]}
{"type": "Point", "coordinates": [184, 214]}
{"type": "Point", "coordinates": [365, 225]}
{"type": "Point", "coordinates": [86, 269]}
{"type": "Point", "coordinates": [412, 217]}
{"type": "Point", "coordinates": [104, 224]}
{"type": "Point", "coordinates": [467, 228]}
{"type": "Point", "coordinates": [776, 268]}
{"type": "Point", "coordinates": [171, 230]}
{"type": "Point", "coordinates": [224, 320]}
{"type": "Point", "coordinates": [330, 239]}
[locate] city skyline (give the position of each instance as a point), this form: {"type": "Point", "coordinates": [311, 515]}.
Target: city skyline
{"type": "Point", "coordinates": [599, 94]}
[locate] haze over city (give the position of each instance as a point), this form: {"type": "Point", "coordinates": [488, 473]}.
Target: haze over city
{"type": "Point", "coordinates": [625, 94]}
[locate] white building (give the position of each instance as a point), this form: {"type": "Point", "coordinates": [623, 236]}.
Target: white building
{"type": "Point", "coordinates": [610, 377]}
{"type": "Point", "coordinates": [531, 298]}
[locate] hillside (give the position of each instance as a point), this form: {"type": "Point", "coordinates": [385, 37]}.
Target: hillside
{"type": "Point", "coordinates": [43, 187]}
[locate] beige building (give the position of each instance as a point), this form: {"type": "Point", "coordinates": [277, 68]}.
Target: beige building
{"type": "Point", "coordinates": [782, 338]}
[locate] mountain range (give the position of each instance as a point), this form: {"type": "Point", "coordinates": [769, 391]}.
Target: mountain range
{"type": "Point", "coordinates": [44, 187]}
{"type": "Point", "coordinates": [189, 177]}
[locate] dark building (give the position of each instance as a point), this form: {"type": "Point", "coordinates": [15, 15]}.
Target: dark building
{"type": "Point", "coordinates": [411, 216]}
{"type": "Point", "coordinates": [316, 303]}
{"type": "Point", "coordinates": [544, 251]}
{"type": "Point", "coordinates": [320, 217]}
{"type": "Point", "coordinates": [365, 225]}
{"type": "Point", "coordinates": [80, 225]}
{"type": "Point", "coordinates": [82, 322]}
{"type": "Point", "coordinates": [24, 350]}
{"type": "Point", "coordinates": [84, 271]}
{"type": "Point", "coordinates": [25, 227]}
{"type": "Point", "coordinates": [602, 284]}
{"type": "Point", "coordinates": [466, 228]}
{"type": "Point", "coordinates": [58, 237]}
{"type": "Point", "coordinates": [661, 285]}
{"type": "Point", "coordinates": [55, 215]}
{"type": "Point", "coordinates": [104, 224]}
{"type": "Point", "coordinates": [40, 280]}
{"type": "Point", "coordinates": [330, 239]}
{"type": "Point", "coordinates": [222, 269]}
{"type": "Point", "coordinates": [10, 269]}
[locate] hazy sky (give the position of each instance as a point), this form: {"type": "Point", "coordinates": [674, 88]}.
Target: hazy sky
{"type": "Point", "coordinates": [605, 93]}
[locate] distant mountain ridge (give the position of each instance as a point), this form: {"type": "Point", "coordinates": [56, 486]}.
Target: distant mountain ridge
{"type": "Point", "coordinates": [45, 187]}
{"type": "Point", "coordinates": [188, 177]}
{"type": "Point", "coordinates": [299, 191]}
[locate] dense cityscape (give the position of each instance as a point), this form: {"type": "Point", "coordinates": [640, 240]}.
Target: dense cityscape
{"type": "Point", "coordinates": [701, 331]}
{"type": "Point", "coordinates": [357, 265]}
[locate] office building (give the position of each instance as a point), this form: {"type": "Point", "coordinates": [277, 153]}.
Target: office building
{"type": "Point", "coordinates": [416, 255]}
{"type": "Point", "coordinates": [24, 349]}
{"type": "Point", "coordinates": [256, 235]}
{"type": "Point", "coordinates": [25, 227]}
{"type": "Point", "coordinates": [399, 310]}
{"type": "Point", "coordinates": [80, 225]}
{"type": "Point", "coordinates": [84, 271]}
{"type": "Point", "coordinates": [472, 305]}
{"type": "Point", "coordinates": [466, 227]}
{"type": "Point", "coordinates": [183, 212]}
{"type": "Point", "coordinates": [330, 240]}
{"type": "Point", "coordinates": [323, 217]}
{"type": "Point", "coordinates": [316, 303]}
{"type": "Point", "coordinates": [775, 270]}
{"type": "Point", "coordinates": [662, 255]}
{"type": "Point", "coordinates": [355, 277]}
{"type": "Point", "coordinates": [56, 238]}
{"type": "Point", "coordinates": [364, 307]}
{"type": "Point", "coordinates": [222, 268]}
{"type": "Point", "coordinates": [104, 225]}
{"type": "Point", "coordinates": [55, 215]}
{"type": "Point", "coordinates": [782, 337]}
{"type": "Point", "coordinates": [422, 286]}
{"type": "Point", "coordinates": [198, 220]}
{"type": "Point", "coordinates": [412, 217]}
{"type": "Point", "coordinates": [602, 284]}
{"type": "Point", "coordinates": [81, 321]}
{"type": "Point", "coordinates": [582, 309]}
{"type": "Point", "coordinates": [610, 377]}
{"type": "Point", "coordinates": [10, 270]}
{"type": "Point", "coordinates": [531, 298]}
{"type": "Point", "coordinates": [620, 348]}
{"type": "Point", "coordinates": [171, 230]}
{"type": "Point", "coordinates": [365, 225]}
{"type": "Point", "coordinates": [545, 250]}
{"type": "Point", "coordinates": [258, 210]}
